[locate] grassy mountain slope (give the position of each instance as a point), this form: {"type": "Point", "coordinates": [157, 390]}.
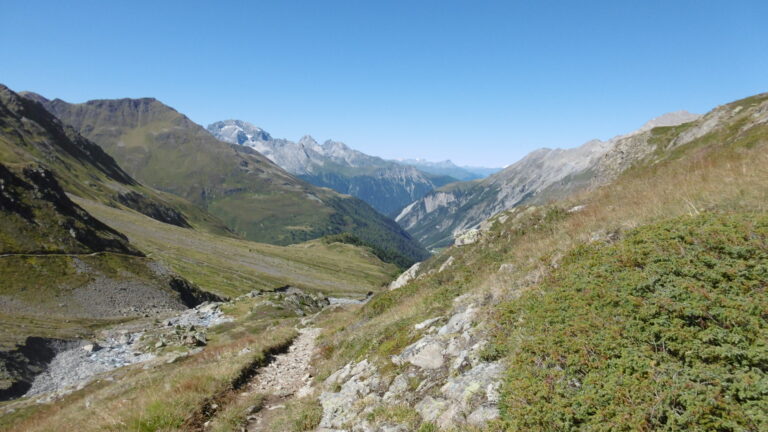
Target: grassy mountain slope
{"type": "Point", "coordinates": [164, 149]}
{"type": "Point", "coordinates": [663, 330]}
{"type": "Point", "coordinates": [63, 270]}
{"type": "Point", "coordinates": [642, 310]}
{"type": "Point", "coordinates": [230, 266]}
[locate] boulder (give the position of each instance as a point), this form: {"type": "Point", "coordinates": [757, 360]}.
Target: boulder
{"type": "Point", "coordinates": [467, 237]}
{"type": "Point", "coordinates": [405, 277]}
{"type": "Point", "coordinates": [426, 353]}
{"type": "Point", "coordinates": [91, 347]}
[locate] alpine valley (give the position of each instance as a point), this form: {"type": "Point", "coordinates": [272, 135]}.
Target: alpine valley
{"type": "Point", "coordinates": [158, 276]}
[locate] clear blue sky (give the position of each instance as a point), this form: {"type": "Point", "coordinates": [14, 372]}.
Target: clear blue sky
{"type": "Point", "coordinates": [479, 82]}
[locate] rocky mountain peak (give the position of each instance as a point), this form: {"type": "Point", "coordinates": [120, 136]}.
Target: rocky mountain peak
{"type": "Point", "coordinates": [238, 131]}
{"type": "Point", "coordinates": [669, 119]}
{"type": "Point", "coordinates": [308, 141]}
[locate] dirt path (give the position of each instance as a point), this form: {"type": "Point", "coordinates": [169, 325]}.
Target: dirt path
{"type": "Point", "coordinates": [286, 376]}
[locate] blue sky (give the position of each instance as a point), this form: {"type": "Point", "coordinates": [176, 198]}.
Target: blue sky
{"type": "Point", "coordinates": [479, 82]}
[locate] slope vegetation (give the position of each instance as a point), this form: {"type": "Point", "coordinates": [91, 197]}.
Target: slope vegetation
{"type": "Point", "coordinates": [663, 330]}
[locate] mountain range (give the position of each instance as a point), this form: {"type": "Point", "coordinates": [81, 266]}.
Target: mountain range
{"type": "Point", "coordinates": [386, 185]}
{"type": "Point", "coordinates": [448, 168]}
{"type": "Point", "coordinates": [542, 175]}
{"type": "Point", "coordinates": [255, 198]}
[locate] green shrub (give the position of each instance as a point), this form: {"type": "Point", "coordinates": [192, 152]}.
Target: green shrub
{"type": "Point", "coordinates": [666, 329]}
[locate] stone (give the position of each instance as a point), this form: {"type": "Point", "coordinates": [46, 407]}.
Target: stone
{"type": "Point", "coordinates": [91, 347]}
{"type": "Point", "coordinates": [506, 268]}
{"type": "Point", "coordinates": [473, 382]}
{"type": "Point", "coordinates": [450, 417]}
{"type": "Point", "coordinates": [397, 388]}
{"type": "Point", "coordinates": [446, 264]}
{"type": "Point", "coordinates": [200, 339]}
{"type": "Point", "coordinates": [426, 323]}
{"type": "Point", "coordinates": [482, 415]}
{"type": "Point", "coordinates": [426, 353]}
{"type": "Point", "coordinates": [467, 237]}
{"type": "Point", "coordinates": [405, 277]}
{"type": "Point", "coordinates": [458, 322]}
{"type": "Point", "coordinates": [355, 383]}
{"type": "Point", "coordinates": [430, 408]}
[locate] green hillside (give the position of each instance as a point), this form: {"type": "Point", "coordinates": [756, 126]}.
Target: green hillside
{"type": "Point", "coordinates": [663, 330]}
{"type": "Point", "coordinates": [64, 271]}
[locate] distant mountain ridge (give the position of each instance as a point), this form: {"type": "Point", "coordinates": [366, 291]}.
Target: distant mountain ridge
{"type": "Point", "coordinates": [540, 175]}
{"type": "Point", "coordinates": [447, 167]}
{"type": "Point", "coordinates": [386, 185]}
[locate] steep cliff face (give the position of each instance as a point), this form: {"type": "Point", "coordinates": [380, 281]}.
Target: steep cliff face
{"type": "Point", "coordinates": [541, 175]}
{"type": "Point", "coordinates": [387, 186]}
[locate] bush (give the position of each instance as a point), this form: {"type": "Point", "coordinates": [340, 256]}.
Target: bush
{"type": "Point", "coordinates": [666, 329]}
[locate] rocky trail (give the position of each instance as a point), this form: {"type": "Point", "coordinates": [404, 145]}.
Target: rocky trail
{"type": "Point", "coordinates": [285, 377]}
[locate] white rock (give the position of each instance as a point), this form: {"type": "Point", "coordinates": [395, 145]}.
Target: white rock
{"type": "Point", "coordinates": [426, 323]}
{"type": "Point", "coordinates": [430, 408]}
{"type": "Point", "coordinates": [467, 237]}
{"type": "Point", "coordinates": [91, 347]}
{"type": "Point", "coordinates": [426, 353]}
{"type": "Point", "coordinates": [482, 415]}
{"type": "Point", "coordinates": [446, 264]}
{"type": "Point", "coordinates": [405, 277]}
{"type": "Point", "coordinates": [458, 322]}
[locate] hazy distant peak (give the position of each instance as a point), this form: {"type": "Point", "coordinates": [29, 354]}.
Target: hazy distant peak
{"type": "Point", "coordinates": [308, 141]}
{"type": "Point", "coordinates": [335, 147]}
{"type": "Point", "coordinates": [669, 119]}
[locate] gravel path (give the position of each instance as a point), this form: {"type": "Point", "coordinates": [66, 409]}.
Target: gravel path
{"type": "Point", "coordinates": [287, 375]}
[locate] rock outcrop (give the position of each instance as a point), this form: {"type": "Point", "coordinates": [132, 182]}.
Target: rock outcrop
{"type": "Point", "coordinates": [443, 376]}
{"type": "Point", "coordinates": [405, 277]}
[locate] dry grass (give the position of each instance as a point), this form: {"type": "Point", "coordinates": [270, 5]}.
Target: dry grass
{"type": "Point", "coordinates": [229, 266]}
